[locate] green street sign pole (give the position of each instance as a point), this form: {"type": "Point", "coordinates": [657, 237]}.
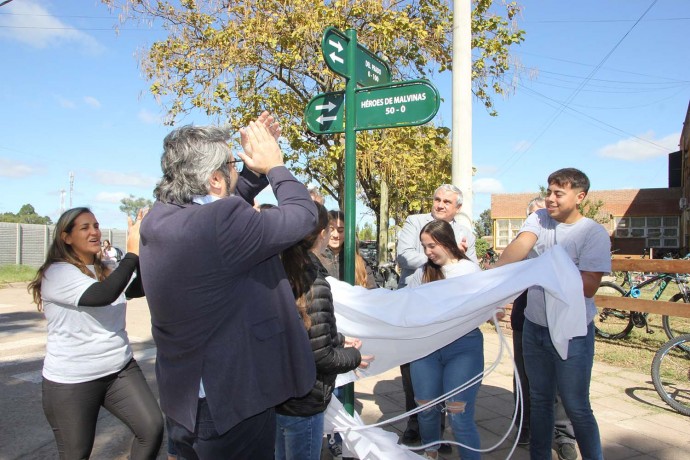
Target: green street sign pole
{"type": "Point", "coordinates": [350, 172]}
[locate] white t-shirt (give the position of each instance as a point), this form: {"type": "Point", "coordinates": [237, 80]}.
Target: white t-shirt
{"type": "Point", "coordinates": [84, 343]}
{"type": "Point", "coordinates": [462, 267]}
{"type": "Point", "coordinates": [586, 242]}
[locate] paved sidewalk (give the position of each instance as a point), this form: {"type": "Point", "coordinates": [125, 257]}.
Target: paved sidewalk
{"type": "Point", "coordinates": [634, 422]}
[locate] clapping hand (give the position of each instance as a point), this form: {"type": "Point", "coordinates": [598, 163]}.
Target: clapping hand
{"type": "Point", "coordinates": [259, 141]}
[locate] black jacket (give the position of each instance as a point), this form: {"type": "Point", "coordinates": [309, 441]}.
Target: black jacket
{"type": "Point", "coordinates": [327, 347]}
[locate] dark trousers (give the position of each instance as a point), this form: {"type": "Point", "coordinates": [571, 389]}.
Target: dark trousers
{"type": "Point", "coordinates": [251, 439]}
{"type": "Point", "coordinates": [72, 411]}
{"type": "Point", "coordinates": [407, 389]}
{"type": "Point", "coordinates": [522, 375]}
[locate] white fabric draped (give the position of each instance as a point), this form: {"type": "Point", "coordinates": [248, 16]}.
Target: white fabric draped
{"type": "Point", "coordinates": [404, 325]}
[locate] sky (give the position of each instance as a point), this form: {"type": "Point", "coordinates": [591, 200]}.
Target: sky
{"type": "Point", "coordinates": [598, 89]}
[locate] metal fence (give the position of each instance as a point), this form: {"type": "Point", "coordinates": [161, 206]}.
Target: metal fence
{"type": "Point", "coordinates": [27, 244]}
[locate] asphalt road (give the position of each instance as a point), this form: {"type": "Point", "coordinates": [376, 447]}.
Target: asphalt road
{"type": "Point", "coordinates": [24, 431]}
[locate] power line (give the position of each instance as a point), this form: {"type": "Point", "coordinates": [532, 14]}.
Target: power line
{"type": "Point", "coordinates": [590, 65]}
{"type": "Point", "coordinates": [574, 94]}
{"type": "Point", "coordinates": [586, 21]}
{"type": "Point", "coordinates": [80, 28]}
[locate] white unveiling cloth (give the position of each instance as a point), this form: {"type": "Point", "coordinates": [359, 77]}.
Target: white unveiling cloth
{"type": "Point", "coordinates": [398, 327]}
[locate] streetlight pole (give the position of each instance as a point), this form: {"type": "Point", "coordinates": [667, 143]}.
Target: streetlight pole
{"type": "Point", "coordinates": [461, 147]}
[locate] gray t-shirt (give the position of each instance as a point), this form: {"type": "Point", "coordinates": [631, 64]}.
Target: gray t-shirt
{"type": "Point", "coordinates": [585, 241]}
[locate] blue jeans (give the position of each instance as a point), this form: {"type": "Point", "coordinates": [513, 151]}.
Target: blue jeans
{"type": "Point", "coordinates": [299, 438]}
{"type": "Point", "coordinates": [442, 371]}
{"type": "Point", "coordinates": [547, 372]}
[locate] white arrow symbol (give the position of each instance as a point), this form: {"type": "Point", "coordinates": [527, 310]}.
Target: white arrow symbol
{"type": "Point", "coordinates": [330, 106]}
{"type": "Point", "coordinates": [336, 44]}
{"type": "Point", "coordinates": [336, 58]}
{"type": "Point", "coordinates": [323, 119]}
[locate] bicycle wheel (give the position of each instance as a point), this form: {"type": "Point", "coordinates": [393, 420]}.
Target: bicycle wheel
{"type": "Point", "coordinates": [612, 323]}
{"type": "Point", "coordinates": [675, 326]}
{"type": "Point", "coordinates": [671, 374]}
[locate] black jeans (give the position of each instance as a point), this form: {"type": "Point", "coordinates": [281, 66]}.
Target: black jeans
{"type": "Point", "coordinates": [251, 439]}
{"type": "Point", "coordinates": [72, 411]}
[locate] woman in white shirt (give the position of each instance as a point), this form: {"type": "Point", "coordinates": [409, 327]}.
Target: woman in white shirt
{"type": "Point", "coordinates": [454, 364]}
{"type": "Point", "coordinates": [89, 361]}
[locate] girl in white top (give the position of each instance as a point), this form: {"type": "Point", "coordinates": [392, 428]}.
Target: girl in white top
{"type": "Point", "coordinates": [454, 364]}
{"type": "Point", "coordinates": [89, 361]}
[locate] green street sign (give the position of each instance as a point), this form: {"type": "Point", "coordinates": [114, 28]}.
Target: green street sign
{"type": "Point", "coordinates": [325, 114]}
{"type": "Point", "coordinates": [368, 69]}
{"type": "Point", "coordinates": [405, 103]}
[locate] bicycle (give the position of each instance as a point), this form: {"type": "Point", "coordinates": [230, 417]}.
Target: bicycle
{"type": "Point", "coordinates": [671, 373]}
{"type": "Point", "coordinates": [632, 278]}
{"type": "Point", "coordinates": [613, 323]}
{"type": "Point", "coordinates": [490, 258]}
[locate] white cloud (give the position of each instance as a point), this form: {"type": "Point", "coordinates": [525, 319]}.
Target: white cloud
{"type": "Point", "coordinates": [110, 197]}
{"type": "Point", "coordinates": [487, 185]}
{"type": "Point", "coordinates": [65, 103]}
{"type": "Point", "coordinates": [149, 118]}
{"type": "Point", "coordinates": [634, 149]}
{"type": "Point", "coordinates": [124, 179]}
{"type": "Point", "coordinates": [92, 101]}
{"type": "Point", "coordinates": [30, 23]}
{"type": "Point", "coordinates": [11, 168]}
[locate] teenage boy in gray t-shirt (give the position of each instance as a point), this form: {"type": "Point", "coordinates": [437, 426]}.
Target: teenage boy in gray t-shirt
{"type": "Point", "coordinates": [588, 245]}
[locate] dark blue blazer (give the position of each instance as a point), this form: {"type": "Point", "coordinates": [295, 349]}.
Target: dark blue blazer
{"type": "Point", "coordinates": [221, 306]}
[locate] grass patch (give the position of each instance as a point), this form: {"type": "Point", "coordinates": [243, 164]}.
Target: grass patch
{"type": "Point", "coordinates": [637, 350]}
{"type": "Point", "coordinates": [16, 274]}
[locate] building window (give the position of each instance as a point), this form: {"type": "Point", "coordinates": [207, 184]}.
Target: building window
{"type": "Point", "coordinates": [659, 232]}
{"type": "Point", "coordinates": [507, 230]}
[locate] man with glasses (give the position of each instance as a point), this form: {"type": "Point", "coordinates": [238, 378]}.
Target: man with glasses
{"type": "Point", "coordinates": [447, 204]}
{"type": "Point", "coordinates": [229, 344]}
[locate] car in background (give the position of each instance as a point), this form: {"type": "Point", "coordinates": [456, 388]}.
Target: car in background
{"type": "Point", "coordinates": [368, 250]}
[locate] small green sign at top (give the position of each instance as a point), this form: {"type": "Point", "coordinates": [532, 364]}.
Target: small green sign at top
{"type": "Point", "coordinates": [368, 69]}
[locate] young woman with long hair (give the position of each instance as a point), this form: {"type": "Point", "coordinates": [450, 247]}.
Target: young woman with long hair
{"type": "Point", "coordinates": [299, 421]}
{"type": "Point", "coordinates": [454, 364]}
{"type": "Point", "coordinates": [333, 258]}
{"type": "Point", "coordinates": [89, 361]}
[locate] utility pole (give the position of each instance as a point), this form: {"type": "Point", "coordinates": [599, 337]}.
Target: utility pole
{"type": "Point", "coordinates": [62, 201]}
{"type": "Point", "coordinates": [461, 146]}
{"type": "Point", "coordinates": [71, 188]}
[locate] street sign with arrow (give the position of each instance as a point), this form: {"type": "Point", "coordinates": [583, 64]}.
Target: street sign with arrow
{"type": "Point", "coordinates": [368, 69]}
{"type": "Point", "coordinates": [324, 113]}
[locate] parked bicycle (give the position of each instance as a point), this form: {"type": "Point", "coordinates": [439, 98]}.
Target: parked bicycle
{"type": "Point", "coordinates": [613, 323]}
{"type": "Point", "coordinates": [490, 258]}
{"type": "Point", "coordinates": [671, 373]}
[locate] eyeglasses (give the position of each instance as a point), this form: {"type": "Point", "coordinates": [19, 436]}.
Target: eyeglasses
{"type": "Point", "coordinates": [234, 162]}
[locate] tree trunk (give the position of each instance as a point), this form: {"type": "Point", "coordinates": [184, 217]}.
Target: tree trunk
{"type": "Point", "coordinates": [383, 224]}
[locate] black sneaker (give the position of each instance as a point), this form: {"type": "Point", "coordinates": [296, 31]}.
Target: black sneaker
{"type": "Point", "coordinates": [445, 448]}
{"type": "Point", "coordinates": [335, 447]}
{"type": "Point", "coordinates": [411, 434]}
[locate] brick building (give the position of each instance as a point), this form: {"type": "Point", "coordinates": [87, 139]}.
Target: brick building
{"type": "Point", "coordinates": [685, 180]}
{"type": "Point", "coordinates": [636, 219]}
{"type": "Point", "coordinates": [657, 218]}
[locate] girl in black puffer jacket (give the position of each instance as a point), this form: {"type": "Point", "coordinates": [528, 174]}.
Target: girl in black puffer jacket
{"type": "Point", "coordinates": [299, 421]}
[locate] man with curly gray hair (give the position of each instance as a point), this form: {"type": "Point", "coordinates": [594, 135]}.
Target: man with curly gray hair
{"type": "Point", "coordinates": [229, 344]}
